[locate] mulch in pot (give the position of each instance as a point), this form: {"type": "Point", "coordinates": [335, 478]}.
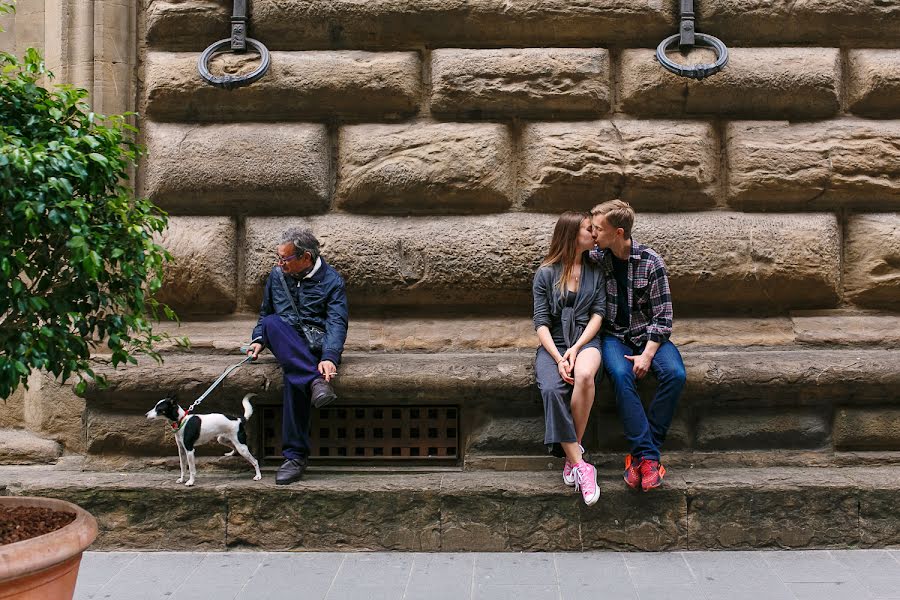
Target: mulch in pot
{"type": "Point", "coordinates": [19, 523]}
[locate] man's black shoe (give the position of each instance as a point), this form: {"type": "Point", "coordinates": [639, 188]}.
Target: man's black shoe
{"type": "Point", "coordinates": [290, 471]}
{"type": "Point", "coordinates": [322, 393]}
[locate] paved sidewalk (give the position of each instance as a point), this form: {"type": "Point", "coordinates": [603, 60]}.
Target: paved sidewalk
{"type": "Point", "coordinates": [756, 575]}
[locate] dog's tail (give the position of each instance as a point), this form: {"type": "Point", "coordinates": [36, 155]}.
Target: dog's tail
{"type": "Point", "coordinates": [248, 408]}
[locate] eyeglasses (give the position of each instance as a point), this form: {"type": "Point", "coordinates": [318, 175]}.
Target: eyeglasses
{"type": "Point", "coordinates": [283, 260]}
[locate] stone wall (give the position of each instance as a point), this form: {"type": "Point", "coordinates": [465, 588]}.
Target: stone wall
{"type": "Point", "coordinates": [404, 131]}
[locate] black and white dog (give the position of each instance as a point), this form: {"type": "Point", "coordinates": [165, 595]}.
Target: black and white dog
{"type": "Point", "coordinates": [192, 430]}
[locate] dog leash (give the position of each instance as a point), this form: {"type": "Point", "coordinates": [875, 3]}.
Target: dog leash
{"type": "Point", "coordinates": [215, 383]}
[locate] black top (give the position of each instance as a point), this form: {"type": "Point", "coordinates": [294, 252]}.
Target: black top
{"type": "Point", "coordinates": [569, 299]}
{"type": "Point", "coordinates": [623, 312]}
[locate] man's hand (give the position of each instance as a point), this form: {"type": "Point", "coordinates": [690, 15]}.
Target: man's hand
{"type": "Point", "coordinates": [254, 350]}
{"type": "Point", "coordinates": [327, 369]}
{"type": "Point", "coordinates": [641, 364]}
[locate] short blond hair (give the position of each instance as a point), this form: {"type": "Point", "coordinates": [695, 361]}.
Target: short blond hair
{"type": "Point", "coordinates": [618, 213]}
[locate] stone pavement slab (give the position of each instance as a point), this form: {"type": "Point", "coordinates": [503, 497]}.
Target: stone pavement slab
{"type": "Point", "coordinates": [751, 575]}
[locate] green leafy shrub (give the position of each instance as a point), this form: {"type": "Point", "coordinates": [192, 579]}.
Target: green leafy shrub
{"type": "Point", "coordinates": [78, 261]}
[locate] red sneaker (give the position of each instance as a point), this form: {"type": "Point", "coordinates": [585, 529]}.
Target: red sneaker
{"type": "Point", "coordinates": [652, 473]}
{"type": "Point", "coordinates": [632, 472]}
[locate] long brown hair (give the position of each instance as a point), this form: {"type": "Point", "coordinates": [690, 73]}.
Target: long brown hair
{"type": "Point", "coordinates": [564, 244]}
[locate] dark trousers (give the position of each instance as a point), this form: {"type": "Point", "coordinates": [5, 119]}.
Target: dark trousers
{"type": "Point", "coordinates": [300, 368]}
{"type": "Point", "coordinates": [645, 431]}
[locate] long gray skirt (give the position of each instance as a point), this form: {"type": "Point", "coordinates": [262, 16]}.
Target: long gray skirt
{"type": "Point", "coordinates": [557, 395]}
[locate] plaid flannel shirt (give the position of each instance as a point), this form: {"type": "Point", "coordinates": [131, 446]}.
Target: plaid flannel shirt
{"type": "Point", "coordinates": [648, 296]}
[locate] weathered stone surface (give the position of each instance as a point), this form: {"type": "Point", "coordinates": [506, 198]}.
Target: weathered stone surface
{"type": "Point", "coordinates": [202, 278]}
{"type": "Point", "coordinates": [874, 82]}
{"type": "Point", "coordinates": [12, 409]}
{"type": "Point", "coordinates": [424, 168]}
{"type": "Point", "coordinates": [872, 260]}
{"type": "Point", "coordinates": [298, 85]}
{"type": "Point", "coordinates": [778, 507]}
{"type": "Point", "coordinates": [513, 435]}
{"type": "Point", "coordinates": [136, 511]}
{"type": "Point", "coordinates": [866, 23]}
{"type": "Point", "coordinates": [314, 514]}
{"type": "Point", "coordinates": [845, 163]}
{"type": "Point", "coordinates": [848, 330]}
{"type": "Point", "coordinates": [520, 82]}
{"type": "Point", "coordinates": [53, 411]}
{"type": "Point", "coordinates": [391, 261]}
{"type": "Point", "coordinates": [316, 24]}
{"type": "Point", "coordinates": [876, 428]}
{"type": "Point", "coordinates": [605, 424]}
{"type": "Point", "coordinates": [655, 165]}
{"type": "Point", "coordinates": [19, 447]}
{"type": "Point", "coordinates": [697, 509]}
{"type": "Point", "coordinates": [738, 430]}
{"type": "Point", "coordinates": [758, 83]}
{"type": "Point", "coordinates": [237, 167]}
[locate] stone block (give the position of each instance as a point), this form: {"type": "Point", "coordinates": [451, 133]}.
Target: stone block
{"type": "Point", "coordinates": [874, 428]}
{"type": "Point", "coordinates": [202, 278]}
{"type": "Point", "coordinates": [766, 508]}
{"type": "Point", "coordinates": [12, 409]}
{"type": "Point", "coordinates": [520, 82]}
{"type": "Point", "coordinates": [758, 83]}
{"type": "Point", "coordinates": [738, 430]}
{"type": "Point", "coordinates": [323, 519]}
{"type": "Point", "coordinates": [655, 165]}
{"type": "Point", "coordinates": [317, 24]}
{"type": "Point", "coordinates": [424, 168]}
{"type": "Point", "coordinates": [872, 260]}
{"type": "Point", "coordinates": [874, 82]}
{"type": "Point", "coordinates": [789, 166]}
{"type": "Point", "coordinates": [19, 447]}
{"type": "Point", "coordinates": [128, 433]}
{"type": "Point", "coordinates": [298, 86]}
{"type": "Point", "coordinates": [865, 23]}
{"type": "Point", "coordinates": [514, 435]}
{"type": "Point", "coordinates": [715, 260]}
{"type": "Point", "coordinates": [237, 168]}
{"type": "Point", "coordinates": [53, 411]}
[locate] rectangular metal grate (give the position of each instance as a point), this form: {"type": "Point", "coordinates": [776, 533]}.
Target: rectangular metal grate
{"type": "Point", "coordinates": [374, 433]}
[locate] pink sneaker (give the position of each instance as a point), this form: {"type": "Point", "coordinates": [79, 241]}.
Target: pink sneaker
{"type": "Point", "coordinates": [586, 481]}
{"type": "Point", "coordinates": [568, 473]}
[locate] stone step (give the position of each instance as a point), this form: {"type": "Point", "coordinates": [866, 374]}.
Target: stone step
{"type": "Point", "coordinates": [20, 447]}
{"type": "Point", "coordinates": [790, 397]}
{"type": "Point", "coordinates": [696, 509]}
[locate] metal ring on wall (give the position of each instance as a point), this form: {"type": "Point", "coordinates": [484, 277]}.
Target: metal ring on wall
{"type": "Point", "coordinates": [233, 81]}
{"type": "Point", "coordinates": [693, 71]}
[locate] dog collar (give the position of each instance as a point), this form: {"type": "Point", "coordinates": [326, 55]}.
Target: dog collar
{"type": "Point", "coordinates": [181, 421]}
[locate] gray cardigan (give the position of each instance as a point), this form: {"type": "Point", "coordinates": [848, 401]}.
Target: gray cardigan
{"type": "Point", "coordinates": [568, 323]}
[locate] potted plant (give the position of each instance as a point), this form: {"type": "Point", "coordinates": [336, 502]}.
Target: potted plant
{"type": "Point", "coordinates": [45, 563]}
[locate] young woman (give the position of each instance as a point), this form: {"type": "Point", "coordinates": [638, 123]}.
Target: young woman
{"type": "Point", "coordinates": [569, 305]}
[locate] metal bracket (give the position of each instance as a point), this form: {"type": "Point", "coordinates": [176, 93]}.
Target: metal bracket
{"type": "Point", "coordinates": [687, 38]}
{"type": "Point", "coordinates": [238, 43]}
{"type": "Point", "coordinates": [239, 26]}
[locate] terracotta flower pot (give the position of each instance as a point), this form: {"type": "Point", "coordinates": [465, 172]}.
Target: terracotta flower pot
{"type": "Point", "coordinates": [46, 566]}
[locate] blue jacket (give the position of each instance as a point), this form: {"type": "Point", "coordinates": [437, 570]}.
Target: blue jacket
{"type": "Point", "coordinates": [321, 302]}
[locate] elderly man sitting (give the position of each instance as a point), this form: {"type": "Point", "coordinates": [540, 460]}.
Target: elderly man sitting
{"type": "Point", "coordinates": [303, 321]}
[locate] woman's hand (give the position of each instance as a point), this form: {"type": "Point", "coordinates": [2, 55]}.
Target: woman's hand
{"type": "Point", "coordinates": [565, 370]}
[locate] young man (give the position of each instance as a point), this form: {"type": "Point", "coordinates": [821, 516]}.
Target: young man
{"type": "Point", "coordinates": [636, 338]}
{"type": "Point", "coordinates": [303, 321]}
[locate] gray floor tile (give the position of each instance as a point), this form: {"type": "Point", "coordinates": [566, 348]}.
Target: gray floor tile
{"type": "Point", "coordinates": [489, 591]}
{"type": "Point", "coordinates": [376, 575]}
{"type": "Point", "coordinates": [515, 569]}
{"type": "Point", "coordinates": [219, 576]}
{"type": "Point", "coordinates": [670, 567]}
{"type": "Point", "coordinates": [282, 576]}
{"type": "Point", "coordinates": [97, 568]}
{"type": "Point", "coordinates": [881, 587]}
{"type": "Point", "coordinates": [673, 591]}
{"type": "Point", "coordinates": [807, 566]}
{"type": "Point", "coordinates": [736, 575]}
{"type": "Point", "coordinates": [151, 575]}
{"type": "Point", "coordinates": [832, 590]}
{"type": "Point", "coordinates": [868, 561]}
{"type": "Point", "coordinates": [585, 575]}
{"type": "Point", "coordinates": [440, 577]}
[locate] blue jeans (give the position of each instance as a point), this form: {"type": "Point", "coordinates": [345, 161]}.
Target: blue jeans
{"type": "Point", "coordinates": [300, 368]}
{"type": "Point", "coordinates": [645, 431]}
